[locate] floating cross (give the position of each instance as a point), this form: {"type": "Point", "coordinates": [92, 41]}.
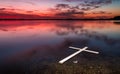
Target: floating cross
{"type": "Point", "coordinates": [79, 50]}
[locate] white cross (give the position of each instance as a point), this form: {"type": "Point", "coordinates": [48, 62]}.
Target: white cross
{"type": "Point", "coordinates": [79, 50]}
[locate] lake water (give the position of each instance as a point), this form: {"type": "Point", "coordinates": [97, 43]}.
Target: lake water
{"type": "Point", "coordinates": [48, 40]}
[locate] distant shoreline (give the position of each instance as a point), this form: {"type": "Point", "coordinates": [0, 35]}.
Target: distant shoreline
{"type": "Point", "coordinates": [60, 19]}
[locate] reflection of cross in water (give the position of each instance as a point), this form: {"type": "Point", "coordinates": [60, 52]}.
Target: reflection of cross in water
{"type": "Point", "coordinates": [75, 61]}
{"type": "Point", "coordinates": [72, 55]}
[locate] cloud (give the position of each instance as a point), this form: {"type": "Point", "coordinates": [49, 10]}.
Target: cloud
{"type": "Point", "coordinates": [90, 4]}
{"type": "Point", "coordinates": [7, 9]}
{"type": "Point", "coordinates": [14, 10]}
{"type": "Point", "coordinates": [66, 10]}
{"type": "Point", "coordinates": [101, 12]}
{"type": "Point", "coordinates": [69, 13]}
{"type": "Point", "coordinates": [72, 0]}
{"type": "Point", "coordinates": [30, 3]}
{"type": "Point", "coordinates": [88, 1]}
{"type": "Point", "coordinates": [14, 15]}
{"type": "Point", "coordinates": [29, 11]}
{"type": "Point", "coordinates": [1, 9]}
{"type": "Point", "coordinates": [80, 7]}
{"type": "Point", "coordinates": [62, 6]}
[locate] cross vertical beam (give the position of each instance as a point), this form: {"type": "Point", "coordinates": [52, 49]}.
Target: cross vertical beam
{"type": "Point", "coordinates": [72, 55]}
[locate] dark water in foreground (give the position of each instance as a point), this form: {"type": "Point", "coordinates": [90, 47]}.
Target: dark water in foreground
{"type": "Point", "coordinates": [47, 41]}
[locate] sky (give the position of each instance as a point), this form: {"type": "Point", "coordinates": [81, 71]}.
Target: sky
{"type": "Point", "coordinates": [59, 9]}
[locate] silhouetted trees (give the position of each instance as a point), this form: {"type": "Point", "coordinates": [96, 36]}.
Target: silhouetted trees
{"type": "Point", "coordinates": [116, 18]}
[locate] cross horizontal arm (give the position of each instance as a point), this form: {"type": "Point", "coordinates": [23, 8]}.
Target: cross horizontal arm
{"type": "Point", "coordinates": [92, 51]}
{"type": "Point", "coordinates": [84, 50]}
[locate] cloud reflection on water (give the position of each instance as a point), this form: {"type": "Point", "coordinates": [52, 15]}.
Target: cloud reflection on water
{"type": "Point", "coordinates": [49, 40]}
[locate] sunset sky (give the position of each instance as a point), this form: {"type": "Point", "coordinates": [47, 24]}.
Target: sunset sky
{"type": "Point", "coordinates": [57, 9]}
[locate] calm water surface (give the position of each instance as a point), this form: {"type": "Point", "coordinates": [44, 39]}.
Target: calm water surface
{"type": "Point", "coordinates": [48, 41]}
